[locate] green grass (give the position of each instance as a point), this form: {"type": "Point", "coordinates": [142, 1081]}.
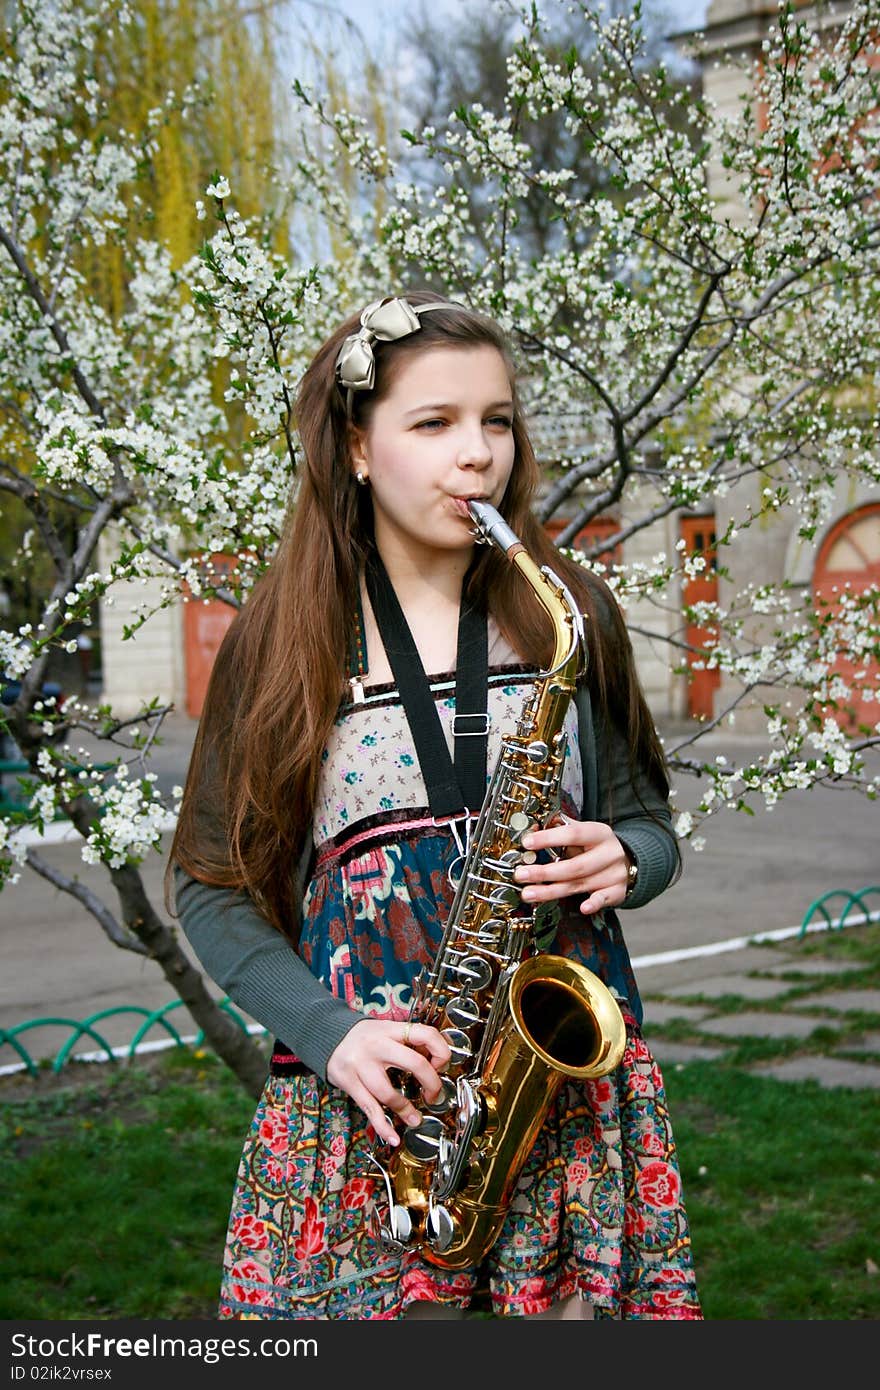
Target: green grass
{"type": "Point", "coordinates": [115, 1190]}
{"type": "Point", "coordinates": [853, 1033]}
{"type": "Point", "coordinates": [781, 1186]}
{"type": "Point", "coordinates": [115, 1201]}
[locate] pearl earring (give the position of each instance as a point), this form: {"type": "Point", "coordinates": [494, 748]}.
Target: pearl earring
{"type": "Point", "coordinates": [361, 477]}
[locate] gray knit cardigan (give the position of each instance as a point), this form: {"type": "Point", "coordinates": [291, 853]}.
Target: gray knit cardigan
{"type": "Point", "coordinates": [261, 972]}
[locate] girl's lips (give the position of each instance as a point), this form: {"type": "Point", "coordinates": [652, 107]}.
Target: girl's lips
{"type": "Point", "coordinates": [461, 506]}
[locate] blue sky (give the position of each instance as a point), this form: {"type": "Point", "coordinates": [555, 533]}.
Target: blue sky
{"type": "Point", "coordinates": [379, 20]}
{"type": "Point", "coordinates": [372, 15]}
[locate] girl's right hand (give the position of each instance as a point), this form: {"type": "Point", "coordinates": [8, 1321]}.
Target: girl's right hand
{"type": "Point", "coordinates": [359, 1066]}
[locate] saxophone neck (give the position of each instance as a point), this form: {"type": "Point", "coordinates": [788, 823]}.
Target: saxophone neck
{"type": "Point", "coordinates": [569, 644]}
{"type": "Point", "coordinates": [569, 647]}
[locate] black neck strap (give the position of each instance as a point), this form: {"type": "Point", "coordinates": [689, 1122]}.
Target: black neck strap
{"type": "Point", "coordinates": [451, 787]}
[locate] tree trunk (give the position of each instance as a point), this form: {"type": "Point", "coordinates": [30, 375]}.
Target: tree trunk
{"type": "Point", "coordinates": [236, 1048]}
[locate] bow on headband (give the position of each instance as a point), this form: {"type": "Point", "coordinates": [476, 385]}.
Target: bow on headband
{"type": "Point", "coordinates": [385, 320]}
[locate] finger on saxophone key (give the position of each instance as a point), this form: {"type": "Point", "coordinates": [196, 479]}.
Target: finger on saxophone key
{"type": "Point", "coordinates": [429, 1042]}
{"type": "Point", "coordinates": [403, 1108]}
{"type": "Point", "coordinates": [528, 840]}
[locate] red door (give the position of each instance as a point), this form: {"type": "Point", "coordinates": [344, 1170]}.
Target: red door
{"type": "Point", "coordinates": [204, 626]}
{"type": "Point", "coordinates": [849, 559]}
{"type": "Point", "coordinates": [594, 533]}
{"type": "Point", "coordinates": [698, 534]}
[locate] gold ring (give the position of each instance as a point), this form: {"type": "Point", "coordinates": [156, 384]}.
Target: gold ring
{"type": "Point", "coordinates": [407, 1029]}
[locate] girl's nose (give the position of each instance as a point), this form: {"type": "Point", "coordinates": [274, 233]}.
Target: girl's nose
{"type": "Point", "coordinates": [474, 450]}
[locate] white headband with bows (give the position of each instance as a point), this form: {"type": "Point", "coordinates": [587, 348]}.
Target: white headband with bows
{"type": "Point", "coordinates": [385, 320]}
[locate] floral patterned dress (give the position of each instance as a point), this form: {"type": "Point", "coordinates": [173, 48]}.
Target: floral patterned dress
{"type": "Point", "coordinates": [598, 1207]}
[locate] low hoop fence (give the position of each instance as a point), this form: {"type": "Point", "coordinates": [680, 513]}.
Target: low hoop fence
{"type": "Point", "coordinates": [854, 900]}
{"type": "Point", "coordinates": [86, 1028]}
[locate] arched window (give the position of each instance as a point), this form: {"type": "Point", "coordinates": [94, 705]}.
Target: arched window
{"type": "Point", "coordinates": [849, 559]}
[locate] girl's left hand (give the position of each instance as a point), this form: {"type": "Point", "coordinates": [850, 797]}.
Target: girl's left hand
{"type": "Point", "coordinates": [592, 861]}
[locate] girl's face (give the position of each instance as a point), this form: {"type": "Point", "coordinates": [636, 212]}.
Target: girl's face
{"type": "Point", "coordinates": [442, 434]}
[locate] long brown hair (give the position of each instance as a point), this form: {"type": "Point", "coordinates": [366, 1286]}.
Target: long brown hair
{"type": "Point", "coordinates": [280, 674]}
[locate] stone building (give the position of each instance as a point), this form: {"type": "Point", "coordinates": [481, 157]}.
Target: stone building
{"type": "Point", "coordinates": [848, 549]}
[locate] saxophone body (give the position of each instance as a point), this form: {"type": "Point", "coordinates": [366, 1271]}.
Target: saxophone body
{"type": "Point", "coordinates": [519, 1023]}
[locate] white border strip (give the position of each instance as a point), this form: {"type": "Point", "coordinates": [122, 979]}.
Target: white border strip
{"type": "Point", "coordinates": [738, 943]}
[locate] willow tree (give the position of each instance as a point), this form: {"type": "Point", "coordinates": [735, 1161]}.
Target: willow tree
{"type": "Point", "coordinates": [202, 77]}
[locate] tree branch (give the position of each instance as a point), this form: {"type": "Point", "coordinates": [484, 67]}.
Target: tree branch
{"type": "Point", "coordinates": [90, 901]}
{"type": "Point", "coordinates": [35, 291]}
{"type": "Point", "coordinates": [681, 346]}
{"type": "Point", "coordinates": [25, 489]}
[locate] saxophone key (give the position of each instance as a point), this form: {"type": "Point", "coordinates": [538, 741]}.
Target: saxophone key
{"type": "Point", "coordinates": [442, 1228]}
{"type": "Point", "coordinates": [524, 826]}
{"type": "Point", "coordinates": [459, 1046]}
{"type": "Point", "coordinates": [544, 784]}
{"type": "Point", "coordinates": [423, 1142]}
{"type": "Point", "coordinates": [476, 972]}
{"type": "Point", "coordinates": [463, 1012]}
{"type": "Point", "coordinates": [507, 862]}
{"type": "Point", "coordinates": [492, 929]}
{"type": "Point", "coordinates": [447, 1101]}
{"type": "Point", "coordinates": [400, 1223]}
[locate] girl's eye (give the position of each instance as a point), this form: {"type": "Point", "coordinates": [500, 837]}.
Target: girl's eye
{"type": "Point", "coordinates": [503, 422]}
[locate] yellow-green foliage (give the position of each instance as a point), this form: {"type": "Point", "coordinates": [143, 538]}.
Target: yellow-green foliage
{"type": "Point", "coordinates": [217, 56]}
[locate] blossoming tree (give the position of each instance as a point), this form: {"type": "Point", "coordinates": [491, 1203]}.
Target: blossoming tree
{"type": "Point", "coordinates": [675, 351]}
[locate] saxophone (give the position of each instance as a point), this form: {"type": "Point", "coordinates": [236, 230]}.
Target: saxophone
{"type": "Point", "coordinates": [518, 1022]}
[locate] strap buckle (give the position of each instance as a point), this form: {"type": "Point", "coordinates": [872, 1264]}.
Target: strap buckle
{"type": "Point", "coordinates": [453, 817]}
{"type": "Point", "coordinates": [468, 819]}
{"type": "Point", "coordinates": [481, 731]}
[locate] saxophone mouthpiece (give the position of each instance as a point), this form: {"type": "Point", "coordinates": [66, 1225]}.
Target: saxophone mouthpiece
{"type": "Point", "coordinates": [491, 528]}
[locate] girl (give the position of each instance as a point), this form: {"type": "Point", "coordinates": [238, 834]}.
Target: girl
{"type": "Point", "coordinates": [314, 842]}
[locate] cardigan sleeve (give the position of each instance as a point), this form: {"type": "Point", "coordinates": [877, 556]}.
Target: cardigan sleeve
{"type": "Point", "coordinates": [260, 971]}
{"type": "Point", "coordinates": [638, 812]}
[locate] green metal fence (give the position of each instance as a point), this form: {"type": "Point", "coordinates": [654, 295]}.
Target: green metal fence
{"type": "Point", "coordinates": [852, 901]}
{"type": "Point", "coordinates": [85, 1028]}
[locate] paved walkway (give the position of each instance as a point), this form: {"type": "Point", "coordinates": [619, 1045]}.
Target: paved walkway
{"type": "Point", "coordinates": [813, 1002]}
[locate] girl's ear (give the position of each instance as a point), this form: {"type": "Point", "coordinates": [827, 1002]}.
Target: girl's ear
{"type": "Point", "coordinates": [357, 452]}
